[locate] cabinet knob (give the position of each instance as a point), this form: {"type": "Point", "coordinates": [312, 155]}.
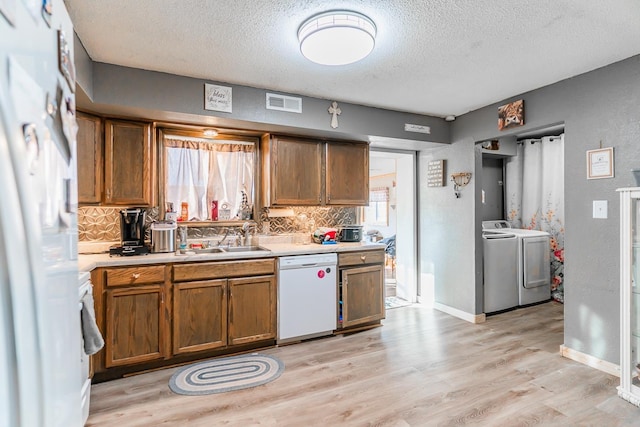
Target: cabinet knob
{"type": "Point", "coordinates": [135, 276]}
{"type": "Point", "coordinates": [363, 257]}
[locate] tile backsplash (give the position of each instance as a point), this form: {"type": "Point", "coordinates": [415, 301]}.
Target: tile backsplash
{"type": "Point", "coordinates": [102, 224]}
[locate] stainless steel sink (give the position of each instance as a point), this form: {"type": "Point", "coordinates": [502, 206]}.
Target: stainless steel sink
{"type": "Point", "coordinates": [244, 249]}
{"type": "Point", "coordinates": [190, 251]}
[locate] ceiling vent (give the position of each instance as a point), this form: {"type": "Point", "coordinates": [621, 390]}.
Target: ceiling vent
{"type": "Point", "coordinates": [290, 104]}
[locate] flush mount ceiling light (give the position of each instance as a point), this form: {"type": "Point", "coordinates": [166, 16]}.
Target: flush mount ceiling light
{"type": "Point", "coordinates": [338, 37]}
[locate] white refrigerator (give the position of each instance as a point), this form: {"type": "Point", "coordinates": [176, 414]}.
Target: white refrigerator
{"type": "Point", "coordinates": [40, 337]}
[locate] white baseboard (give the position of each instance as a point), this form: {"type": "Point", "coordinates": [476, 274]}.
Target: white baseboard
{"type": "Point", "coordinates": [472, 318]}
{"type": "Point", "coordinates": [587, 359]}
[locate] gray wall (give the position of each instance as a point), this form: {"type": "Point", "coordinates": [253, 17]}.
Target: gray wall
{"type": "Point", "coordinates": [600, 107]}
{"type": "Point", "coordinates": [152, 95]}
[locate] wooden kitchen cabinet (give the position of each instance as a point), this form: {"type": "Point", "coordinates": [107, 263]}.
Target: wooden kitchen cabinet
{"type": "Point", "coordinates": [199, 315]}
{"type": "Point", "coordinates": [130, 170]}
{"type": "Point", "coordinates": [291, 171]}
{"type": "Point", "coordinates": [135, 326]}
{"type": "Point", "coordinates": [90, 143]}
{"type": "Point", "coordinates": [361, 288]}
{"type": "Point", "coordinates": [347, 174]}
{"type": "Point", "coordinates": [310, 172]}
{"type": "Point", "coordinates": [223, 304]}
{"type": "Point", "coordinates": [252, 309]}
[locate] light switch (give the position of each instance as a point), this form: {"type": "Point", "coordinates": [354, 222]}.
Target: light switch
{"type": "Point", "coordinates": [600, 209]}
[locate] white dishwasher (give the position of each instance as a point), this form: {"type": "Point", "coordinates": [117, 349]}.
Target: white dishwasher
{"type": "Point", "coordinates": [306, 296]}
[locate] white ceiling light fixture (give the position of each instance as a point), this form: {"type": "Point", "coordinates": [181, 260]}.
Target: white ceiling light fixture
{"type": "Point", "coordinates": [337, 37]}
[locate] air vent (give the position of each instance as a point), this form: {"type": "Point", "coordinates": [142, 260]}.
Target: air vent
{"type": "Point", "coordinates": [289, 104]}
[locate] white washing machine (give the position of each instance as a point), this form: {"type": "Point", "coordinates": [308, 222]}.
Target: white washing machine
{"type": "Point", "coordinates": [534, 261]}
{"type": "Point", "coordinates": [500, 271]}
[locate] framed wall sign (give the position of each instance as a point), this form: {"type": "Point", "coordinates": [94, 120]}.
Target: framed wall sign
{"type": "Point", "coordinates": [218, 98]}
{"type": "Point", "coordinates": [600, 163]}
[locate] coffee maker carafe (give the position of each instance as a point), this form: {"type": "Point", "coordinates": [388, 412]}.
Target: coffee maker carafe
{"type": "Point", "coordinates": [132, 225]}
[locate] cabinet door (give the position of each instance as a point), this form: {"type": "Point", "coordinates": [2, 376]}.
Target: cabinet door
{"type": "Point", "coordinates": [90, 165]}
{"type": "Point", "coordinates": [252, 309]}
{"type": "Point", "coordinates": [296, 172]}
{"type": "Point", "coordinates": [362, 295]}
{"type": "Point", "coordinates": [199, 316]}
{"type": "Point", "coordinates": [347, 174]}
{"type": "Point", "coordinates": [129, 165]}
{"type": "Point", "coordinates": [136, 325]}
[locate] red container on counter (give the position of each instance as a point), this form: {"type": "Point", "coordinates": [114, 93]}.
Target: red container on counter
{"type": "Point", "coordinates": [214, 210]}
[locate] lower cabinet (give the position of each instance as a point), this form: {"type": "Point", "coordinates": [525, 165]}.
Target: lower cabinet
{"type": "Point", "coordinates": [252, 309]}
{"type": "Point", "coordinates": [153, 316]}
{"type": "Point", "coordinates": [135, 325]}
{"type": "Point", "coordinates": [235, 304]}
{"type": "Point", "coordinates": [224, 312]}
{"type": "Point", "coordinates": [361, 290]}
{"type": "Point", "coordinates": [131, 312]}
{"type": "Point", "coordinates": [199, 316]}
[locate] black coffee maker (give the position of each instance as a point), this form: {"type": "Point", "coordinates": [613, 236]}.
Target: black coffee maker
{"type": "Point", "coordinates": [132, 224]}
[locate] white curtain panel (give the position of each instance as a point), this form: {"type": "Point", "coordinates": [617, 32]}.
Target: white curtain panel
{"type": "Point", "coordinates": [534, 190]}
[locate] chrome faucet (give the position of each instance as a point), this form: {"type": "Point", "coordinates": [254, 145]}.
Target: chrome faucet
{"type": "Point", "coordinates": [246, 227]}
{"type": "Point", "coordinates": [226, 233]}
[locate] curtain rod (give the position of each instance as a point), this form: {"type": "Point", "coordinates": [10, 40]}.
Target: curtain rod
{"type": "Point", "coordinates": [207, 140]}
{"type": "Point", "coordinates": [522, 141]}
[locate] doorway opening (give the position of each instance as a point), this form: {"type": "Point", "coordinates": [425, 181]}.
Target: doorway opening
{"type": "Point", "coordinates": [391, 219]}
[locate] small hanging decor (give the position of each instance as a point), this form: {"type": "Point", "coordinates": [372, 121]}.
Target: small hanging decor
{"type": "Point", "coordinates": [335, 111]}
{"type": "Point", "coordinates": [511, 115]}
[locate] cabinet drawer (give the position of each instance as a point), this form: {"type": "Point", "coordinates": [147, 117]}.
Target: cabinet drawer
{"type": "Point", "coordinates": [360, 258]}
{"type": "Point", "coordinates": [219, 270]}
{"type": "Point", "coordinates": [133, 275]}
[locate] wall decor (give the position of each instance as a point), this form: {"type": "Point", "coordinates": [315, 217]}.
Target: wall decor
{"type": "Point", "coordinates": [600, 163]}
{"type": "Point", "coordinates": [218, 98]}
{"type": "Point", "coordinates": [511, 115]}
{"type": "Point", "coordinates": [335, 111]}
{"type": "Point", "coordinates": [460, 180]}
{"type": "Point", "coordinates": [493, 144]}
{"type": "Point", "coordinates": [435, 173]}
{"type": "Point", "coordinates": [65, 62]}
{"type": "Point", "coordinates": [47, 11]}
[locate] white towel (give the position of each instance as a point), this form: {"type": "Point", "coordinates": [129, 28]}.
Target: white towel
{"type": "Point", "coordinates": [93, 340]}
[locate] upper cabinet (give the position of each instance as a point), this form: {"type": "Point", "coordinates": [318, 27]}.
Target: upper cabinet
{"type": "Point", "coordinates": [308, 172]}
{"type": "Point", "coordinates": [347, 174]}
{"type": "Point", "coordinates": [129, 163]}
{"type": "Point", "coordinates": [116, 162]}
{"type": "Point", "coordinates": [90, 160]}
{"type": "Point", "coordinates": [291, 171]}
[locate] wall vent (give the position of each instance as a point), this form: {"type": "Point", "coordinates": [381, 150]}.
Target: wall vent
{"type": "Point", "coordinates": [290, 104]}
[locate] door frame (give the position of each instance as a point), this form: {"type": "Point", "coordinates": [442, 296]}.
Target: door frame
{"type": "Point", "coordinates": [407, 216]}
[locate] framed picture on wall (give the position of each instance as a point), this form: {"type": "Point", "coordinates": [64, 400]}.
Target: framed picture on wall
{"type": "Point", "coordinates": [511, 115]}
{"type": "Point", "coordinates": [600, 163]}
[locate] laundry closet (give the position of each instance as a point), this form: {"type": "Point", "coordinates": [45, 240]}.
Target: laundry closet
{"type": "Point", "coordinates": [522, 213]}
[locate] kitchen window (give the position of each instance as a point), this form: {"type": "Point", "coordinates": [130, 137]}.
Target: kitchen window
{"type": "Point", "coordinates": [199, 170]}
{"type": "Point", "coordinates": [377, 213]}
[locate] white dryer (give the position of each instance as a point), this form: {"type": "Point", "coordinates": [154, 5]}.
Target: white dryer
{"type": "Point", "coordinates": [534, 261]}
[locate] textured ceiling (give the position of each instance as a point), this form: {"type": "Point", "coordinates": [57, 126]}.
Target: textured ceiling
{"type": "Point", "coordinates": [435, 57]}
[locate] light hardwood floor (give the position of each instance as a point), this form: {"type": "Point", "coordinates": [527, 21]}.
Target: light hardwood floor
{"type": "Point", "coordinates": [422, 368]}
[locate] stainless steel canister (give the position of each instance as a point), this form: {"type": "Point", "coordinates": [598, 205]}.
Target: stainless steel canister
{"type": "Point", "coordinates": [163, 236]}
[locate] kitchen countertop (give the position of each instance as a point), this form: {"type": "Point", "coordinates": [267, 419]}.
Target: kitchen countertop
{"type": "Point", "coordinates": [90, 261]}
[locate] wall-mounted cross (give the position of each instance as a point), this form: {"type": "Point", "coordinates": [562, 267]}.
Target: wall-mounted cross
{"type": "Point", "coordinates": [335, 111]}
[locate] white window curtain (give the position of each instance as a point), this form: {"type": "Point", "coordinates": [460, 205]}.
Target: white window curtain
{"type": "Point", "coordinates": [534, 188]}
{"type": "Point", "coordinates": [198, 172]}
